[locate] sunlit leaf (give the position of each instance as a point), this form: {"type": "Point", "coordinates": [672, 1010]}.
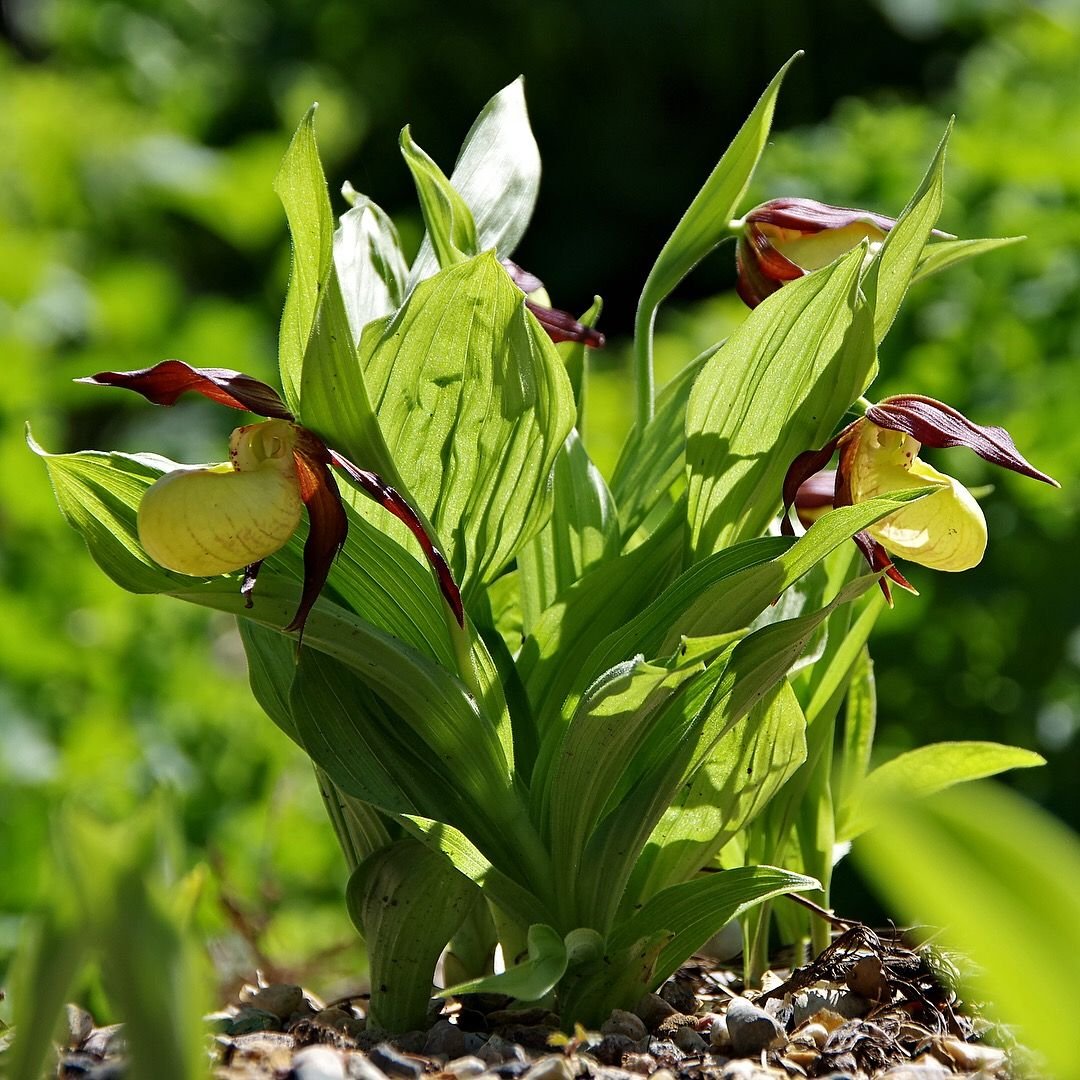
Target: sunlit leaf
{"type": "Point", "coordinates": [531, 979]}
{"type": "Point", "coordinates": [944, 254]}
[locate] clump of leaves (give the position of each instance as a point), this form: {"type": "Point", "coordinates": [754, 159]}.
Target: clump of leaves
{"type": "Point", "coordinates": [600, 689]}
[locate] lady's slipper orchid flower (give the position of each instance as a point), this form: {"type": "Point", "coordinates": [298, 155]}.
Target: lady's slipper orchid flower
{"type": "Point", "coordinates": [784, 239]}
{"type": "Point", "coordinates": [216, 519]}
{"type": "Point", "coordinates": [559, 325]}
{"type": "Point", "coordinates": [879, 452]}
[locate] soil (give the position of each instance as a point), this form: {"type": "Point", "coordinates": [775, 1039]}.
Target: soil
{"type": "Point", "coordinates": [871, 1005]}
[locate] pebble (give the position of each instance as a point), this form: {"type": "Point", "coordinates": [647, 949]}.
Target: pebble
{"type": "Point", "coordinates": [806, 1004]}
{"type": "Point", "coordinates": [105, 1040]}
{"type": "Point", "coordinates": [611, 1049]}
{"type": "Point", "coordinates": [640, 1063]}
{"type": "Point", "coordinates": [393, 1063]}
{"type": "Point", "coordinates": [679, 994]}
{"type": "Point", "coordinates": [689, 1041]}
{"type": "Point", "coordinates": [359, 1067]}
{"type": "Point", "coordinates": [653, 1010]}
{"type": "Point", "coordinates": [337, 1018]}
{"type": "Point", "coordinates": [466, 1067]}
{"type": "Point", "coordinates": [812, 1034]}
{"type": "Point", "coordinates": [281, 999]}
{"type": "Point", "coordinates": [621, 1022]}
{"type": "Point", "coordinates": [719, 1038]}
{"type": "Point", "coordinates": [924, 1068]}
{"type": "Point", "coordinates": [318, 1063]}
{"type": "Point", "coordinates": [497, 1050]}
{"type": "Point", "coordinates": [249, 1019]}
{"type": "Point", "coordinates": [446, 1040]}
{"type": "Point", "coordinates": [552, 1067]}
{"type": "Point", "coordinates": [751, 1029]}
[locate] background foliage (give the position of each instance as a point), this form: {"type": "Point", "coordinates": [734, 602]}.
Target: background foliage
{"type": "Point", "coordinates": [137, 221]}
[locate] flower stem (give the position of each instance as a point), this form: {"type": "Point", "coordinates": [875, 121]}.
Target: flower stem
{"type": "Point", "coordinates": [644, 323]}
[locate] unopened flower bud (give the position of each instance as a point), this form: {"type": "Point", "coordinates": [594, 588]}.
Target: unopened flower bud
{"type": "Point", "coordinates": [783, 239]}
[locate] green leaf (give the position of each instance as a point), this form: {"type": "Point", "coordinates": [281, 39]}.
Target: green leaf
{"type": "Point", "coordinates": [653, 459]}
{"type": "Point", "coordinates": [948, 253]}
{"type": "Point", "coordinates": [370, 265]}
{"type": "Point", "coordinates": [301, 187]}
{"type": "Point", "coordinates": [408, 901]}
{"type": "Point", "coordinates": [475, 405]}
{"type": "Point", "coordinates": [750, 764]}
{"type": "Point", "coordinates": [860, 723]}
{"type": "Point", "coordinates": [583, 533]}
{"type": "Point", "coordinates": [575, 355]}
{"type": "Point", "coordinates": [701, 228]}
{"type": "Point", "coordinates": [497, 175]}
{"type": "Point", "coordinates": [925, 771]}
{"type": "Point", "coordinates": [450, 225]}
{"type": "Point", "coordinates": [1003, 880]}
{"type": "Point", "coordinates": [271, 661]}
{"type": "Point", "coordinates": [530, 980]}
{"type": "Point", "coordinates": [888, 279]}
{"type": "Point", "coordinates": [779, 385]}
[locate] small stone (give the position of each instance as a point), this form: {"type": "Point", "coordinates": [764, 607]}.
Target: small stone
{"type": "Point", "coordinates": [667, 1054]}
{"type": "Point", "coordinates": [867, 978]}
{"type": "Point", "coordinates": [394, 1063]}
{"type": "Point", "coordinates": [968, 1057]}
{"type": "Point", "coordinates": [497, 1050]}
{"type": "Point", "coordinates": [466, 1067]}
{"type": "Point", "coordinates": [923, 1068]}
{"type": "Point", "coordinates": [510, 1070]}
{"type": "Point", "coordinates": [653, 1010]}
{"type": "Point", "coordinates": [640, 1063]}
{"type": "Point", "coordinates": [359, 1067]}
{"type": "Point", "coordinates": [611, 1049]}
{"type": "Point", "coordinates": [678, 992]}
{"type": "Point", "coordinates": [445, 1040]}
{"type": "Point", "coordinates": [249, 1019]}
{"type": "Point", "coordinates": [552, 1067]}
{"type": "Point", "coordinates": [806, 1004]}
{"type": "Point", "coordinates": [621, 1022]}
{"type": "Point", "coordinates": [812, 1035]}
{"type": "Point", "coordinates": [689, 1041]}
{"type": "Point", "coordinates": [530, 1036]}
{"type": "Point", "coordinates": [318, 1063]}
{"type": "Point", "coordinates": [751, 1029]}
{"type": "Point", "coordinates": [281, 999]}
{"type": "Point", "coordinates": [719, 1039]}
{"type": "Point", "coordinates": [663, 1074]}
{"type": "Point", "coordinates": [609, 1072]}
{"type": "Point", "coordinates": [412, 1042]}
{"type": "Point", "coordinates": [740, 1070]}
{"type": "Point", "coordinates": [79, 1023]}
{"type": "Point", "coordinates": [337, 1018]}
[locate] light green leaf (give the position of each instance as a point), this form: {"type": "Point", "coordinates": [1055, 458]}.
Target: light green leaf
{"type": "Point", "coordinates": [475, 406]}
{"type": "Point", "coordinates": [925, 771]}
{"type": "Point", "coordinates": [701, 228]}
{"type": "Point", "coordinates": [575, 355]}
{"type": "Point", "coordinates": [271, 661]}
{"type": "Point", "coordinates": [531, 979]}
{"type": "Point", "coordinates": [583, 533]}
{"type": "Point", "coordinates": [301, 187]}
{"type": "Point", "coordinates": [750, 764]}
{"type": "Point", "coordinates": [1002, 878]}
{"type": "Point", "coordinates": [450, 225]}
{"type": "Point", "coordinates": [888, 279]}
{"type": "Point", "coordinates": [370, 265]}
{"type": "Point", "coordinates": [778, 385]}
{"type": "Point", "coordinates": [948, 253]}
{"type": "Point", "coordinates": [653, 459]}
{"type": "Point", "coordinates": [497, 175]}
{"type": "Point", "coordinates": [860, 723]}
{"type": "Point", "coordinates": [408, 901]}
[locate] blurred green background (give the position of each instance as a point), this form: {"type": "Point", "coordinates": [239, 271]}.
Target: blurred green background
{"type": "Point", "coordinates": [138, 142]}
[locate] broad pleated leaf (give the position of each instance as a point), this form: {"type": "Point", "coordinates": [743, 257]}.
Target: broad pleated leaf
{"type": "Point", "coordinates": [926, 771]}
{"type": "Point", "coordinates": [703, 226]}
{"type": "Point", "coordinates": [408, 900]}
{"type": "Point", "coordinates": [750, 764]}
{"type": "Point", "coordinates": [653, 459]}
{"type": "Point", "coordinates": [948, 253]}
{"type": "Point", "coordinates": [583, 532]}
{"type": "Point", "coordinates": [497, 176]}
{"type": "Point", "coordinates": [1002, 879]}
{"type": "Point", "coordinates": [531, 979]}
{"type": "Point", "coordinates": [475, 406]}
{"type": "Point", "coordinates": [778, 385]}
{"type": "Point", "coordinates": [888, 279]}
{"type": "Point", "coordinates": [370, 265]}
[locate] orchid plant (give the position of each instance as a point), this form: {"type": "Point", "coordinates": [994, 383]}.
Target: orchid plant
{"type": "Point", "coordinates": [540, 703]}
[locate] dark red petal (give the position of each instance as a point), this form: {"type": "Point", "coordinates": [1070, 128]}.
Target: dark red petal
{"type": "Point", "coordinates": [561, 326]}
{"type": "Point", "coordinates": [163, 383]}
{"type": "Point", "coordinates": [774, 265]}
{"type": "Point", "coordinates": [327, 523]}
{"type": "Point", "coordinates": [526, 282]}
{"type": "Point", "coordinates": [879, 560]}
{"type": "Point", "coordinates": [390, 499]}
{"type": "Point", "coordinates": [801, 469]}
{"type": "Point", "coordinates": [811, 216]}
{"type": "Point", "coordinates": [938, 425]}
{"type": "Point", "coordinates": [751, 284]}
